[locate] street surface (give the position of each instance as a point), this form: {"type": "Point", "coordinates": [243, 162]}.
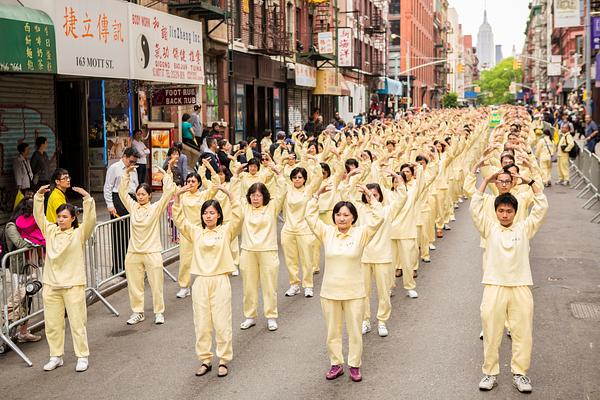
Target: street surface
{"type": "Point", "coordinates": [433, 351]}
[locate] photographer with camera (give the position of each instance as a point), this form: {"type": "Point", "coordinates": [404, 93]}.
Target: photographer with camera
{"type": "Point", "coordinates": [65, 277]}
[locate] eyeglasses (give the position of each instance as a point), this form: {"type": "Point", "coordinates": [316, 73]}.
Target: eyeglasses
{"type": "Point", "coordinates": [65, 178]}
{"type": "Point", "coordinates": [504, 182]}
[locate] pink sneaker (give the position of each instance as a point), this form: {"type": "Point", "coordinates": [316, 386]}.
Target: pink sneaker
{"type": "Point", "coordinates": [335, 372]}
{"type": "Point", "coordinates": [355, 374]}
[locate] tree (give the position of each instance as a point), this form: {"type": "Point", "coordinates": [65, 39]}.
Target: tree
{"type": "Point", "coordinates": [495, 82]}
{"type": "Point", "coordinates": [450, 100]}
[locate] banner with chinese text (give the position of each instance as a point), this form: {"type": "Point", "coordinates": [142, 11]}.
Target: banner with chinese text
{"type": "Point", "coordinates": [345, 54]}
{"type": "Point", "coordinates": [165, 48]}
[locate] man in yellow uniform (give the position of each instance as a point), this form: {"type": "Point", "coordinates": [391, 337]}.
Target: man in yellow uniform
{"type": "Point", "coordinates": [506, 279]}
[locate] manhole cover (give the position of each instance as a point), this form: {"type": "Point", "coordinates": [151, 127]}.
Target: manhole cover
{"type": "Point", "coordinates": [587, 311]}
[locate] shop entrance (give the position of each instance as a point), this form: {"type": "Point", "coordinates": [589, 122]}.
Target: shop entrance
{"type": "Point", "coordinates": [70, 130]}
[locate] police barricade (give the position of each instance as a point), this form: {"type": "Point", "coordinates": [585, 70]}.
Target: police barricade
{"type": "Point", "coordinates": [21, 295]}
{"type": "Point", "coordinates": [106, 250]}
{"type": "Point", "coordinates": [583, 184]}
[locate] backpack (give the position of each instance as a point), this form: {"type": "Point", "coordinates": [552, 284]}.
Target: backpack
{"type": "Point", "coordinates": [3, 246]}
{"type": "Point", "coordinates": [574, 152]}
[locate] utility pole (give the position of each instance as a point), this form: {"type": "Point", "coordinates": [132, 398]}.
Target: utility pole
{"type": "Point", "coordinates": [588, 57]}
{"type": "Point", "coordinates": [409, 100]}
{"type": "Point", "coordinates": [575, 72]}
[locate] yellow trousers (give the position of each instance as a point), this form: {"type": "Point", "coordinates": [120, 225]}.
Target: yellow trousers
{"type": "Point", "coordinates": [563, 167]}
{"type": "Point", "coordinates": [211, 301]}
{"type": "Point", "coordinates": [514, 303]}
{"type": "Point", "coordinates": [299, 249]}
{"type": "Point", "coordinates": [135, 266]}
{"type": "Point", "coordinates": [546, 170]}
{"type": "Point", "coordinates": [235, 251]}
{"type": "Point", "coordinates": [406, 255]}
{"type": "Point", "coordinates": [423, 241]}
{"type": "Point", "coordinates": [441, 200]}
{"type": "Point", "coordinates": [335, 313]}
{"type": "Point", "coordinates": [383, 274]}
{"type": "Point", "coordinates": [185, 262]}
{"type": "Point", "coordinates": [56, 301]}
{"type": "Point", "coordinates": [259, 268]}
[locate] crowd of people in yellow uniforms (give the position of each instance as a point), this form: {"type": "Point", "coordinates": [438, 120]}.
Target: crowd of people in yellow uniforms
{"type": "Point", "coordinates": [373, 198]}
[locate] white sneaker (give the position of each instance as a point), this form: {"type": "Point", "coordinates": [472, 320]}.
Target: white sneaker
{"type": "Point", "coordinates": [293, 290]}
{"type": "Point", "coordinates": [366, 327]}
{"type": "Point", "coordinates": [248, 323]}
{"type": "Point", "coordinates": [455, 207]}
{"type": "Point", "coordinates": [432, 247]}
{"type": "Point", "coordinates": [236, 272]}
{"type": "Point", "coordinates": [135, 318]}
{"type": "Point", "coordinates": [82, 364]}
{"type": "Point", "coordinates": [183, 292]}
{"type": "Point", "coordinates": [159, 319]}
{"type": "Point", "coordinates": [392, 293]}
{"type": "Point", "coordinates": [412, 294]}
{"type": "Point", "coordinates": [481, 335]}
{"type": "Point", "coordinates": [308, 292]}
{"type": "Point", "coordinates": [382, 330]}
{"type": "Point", "coordinates": [453, 218]}
{"type": "Point", "coordinates": [272, 324]}
{"type": "Point", "coordinates": [522, 383]}
{"type": "Point", "coordinates": [488, 382]}
{"type": "Point", "coordinates": [460, 200]}
{"type": "Point", "coordinates": [54, 363]}
{"type": "Point", "coordinates": [447, 227]}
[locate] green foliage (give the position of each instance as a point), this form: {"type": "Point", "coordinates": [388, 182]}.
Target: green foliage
{"type": "Point", "coordinates": [495, 83]}
{"type": "Point", "coordinates": [450, 100]}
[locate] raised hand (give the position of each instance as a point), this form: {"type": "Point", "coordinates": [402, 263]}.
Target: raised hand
{"type": "Point", "coordinates": [44, 189]}
{"type": "Point", "coordinates": [81, 191]}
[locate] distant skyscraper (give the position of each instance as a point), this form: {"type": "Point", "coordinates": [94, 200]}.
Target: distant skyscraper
{"type": "Point", "coordinates": [499, 55]}
{"type": "Point", "coordinates": [485, 44]}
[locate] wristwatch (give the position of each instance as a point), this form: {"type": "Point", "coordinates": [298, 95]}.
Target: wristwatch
{"type": "Point", "coordinates": [531, 182]}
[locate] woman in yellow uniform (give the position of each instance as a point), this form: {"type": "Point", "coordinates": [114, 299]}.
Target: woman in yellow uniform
{"type": "Point", "coordinates": [143, 251]}
{"type": "Point", "coordinates": [343, 290]}
{"type": "Point", "coordinates": [298, 242]}
{"type": "Point", "coordinates": [544, 151]}
{"type": "Point", "coordinates": [64, 276]}
{"type": "Point", "coordinates": [212, 262]}
{"type": "Point", "coordinates": [259, 259]}
{"type": "Point", "coordinates": [223, 199]}
{"type": "Point", "coordinates": [191, 201]}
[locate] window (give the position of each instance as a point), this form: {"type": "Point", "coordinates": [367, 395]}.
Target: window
{"type": "Point", "coordinates": [579, 45]}
{"type": "Point", "coordinates": [395, 30]}
{"type": "Point", "coordinates": [238, 19]}
{"type": "Point", "coordinates": [240, 107]}
{"type": "Point", "coordinates": [395, 7]}
{"type": "Point", "coordinates": [212, 91]}
{"type": "Point", "coordinates": [251, 23]}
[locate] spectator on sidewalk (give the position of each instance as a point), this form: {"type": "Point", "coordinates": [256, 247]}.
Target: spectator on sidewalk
{"type": "Point", "coordinates": [61, 181]}
{"type": "Point", "coordinates": [337, 121]}
{"type": "Point", "coordinates": [182, 164]}
{"type": "Point", "coordinates": [40, 163]}
{"type": "Point", "coordinates": [143, 151]}
{"type": "Point", "coordinates": [22, 168]}
{"type": "Point", "coordinates": [188, 134]}
{"type": "Point", "coordinates": [116, 208]}
{"type": "Point", "coordinates": [197, 127]}
{"type": "Point", "coordinates": [565, 144]}
{"type": "Point", "coordinates": [173, 153]}
{"type": "Point", "coordinates": [591, 133]}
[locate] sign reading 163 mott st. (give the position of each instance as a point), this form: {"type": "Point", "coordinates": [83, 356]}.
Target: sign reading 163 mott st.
{"type": "Point", "coordinates": [27, 45]}
{"type": "Point", "coordinates": [164, 47]}
{"type": "Point", "coordinates": [92, 38]}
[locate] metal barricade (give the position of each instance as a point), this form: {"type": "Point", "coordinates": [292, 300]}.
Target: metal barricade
{"type": "Point", "coordinates": [21, 295]}
{"type": "Point", "coordinates": [586, 157]}
{"type": "Point", "coordinates": [594, 184]}
{"type": "Point", "coordinates": [106, 250]}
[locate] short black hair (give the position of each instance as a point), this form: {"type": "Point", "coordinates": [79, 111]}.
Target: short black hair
{"type": "Point", "coordinates": [131, 152]}
{"type": "Point", "coordinates": [179, 146]}
{"type": "Point", "coordinates": [369, 154]}
{"type": "Point", "coordinates": [21, 147]}
{"type": "Point", "coordinates": [299, 170]}
{"type": "Point", "coordinates": [210, 141]}
{"type": "Point", "coordinates": [506, 199]}
{"type": "Point", "coordinates": [57, 174]}
{"type": "Point", "coordinates": [376, 187]}
{"type": "Point", "coordinates": [409, 166]}
{"type": "Point", "coordinates": [349, 162]}
{"type": "Point", "coordinates": [39, 141]}
{"type": "Point", "coordinates": [226, 172]}
{"type": "Point", "coordinates": [197, 107]}
{"type": "Point", "coordinates": [259, 187]}
{"type": "Point", "coordinates": [147, 188]}
{"type": "Point", "coordinates": [326, 170]}
{"type": "Point", "coordinates": [421, 157]}
{"type": "Point", "coordinates": [194, 175]}
{"type": "Point", "coordinates": [185, 117]}
{"type": "Point", "coordinates": [212, 203]}
{"type": "Point", "coordinates": [254, 161]}
{"type": "Point", "coordinates": [172, 150]}
{"type": "Point", "coordinates": [338, 206]}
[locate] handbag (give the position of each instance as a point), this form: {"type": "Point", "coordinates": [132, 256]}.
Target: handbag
{"type": "Point", "coordinates": [552, 156]}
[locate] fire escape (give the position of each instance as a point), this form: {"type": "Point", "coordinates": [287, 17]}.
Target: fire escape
{"type": "Point", "coordinates": [273, 39]}
{"type": "Point", "coordinates": [376, 28]}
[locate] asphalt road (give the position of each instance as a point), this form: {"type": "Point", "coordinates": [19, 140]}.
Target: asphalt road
{"type": "Point", "coordinates": [433, 351]}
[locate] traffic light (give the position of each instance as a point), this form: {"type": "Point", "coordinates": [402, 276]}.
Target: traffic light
{"type": "Point", "coordinates": [460, 68]}
{"type": "Point", "coordinates": [516, 63]}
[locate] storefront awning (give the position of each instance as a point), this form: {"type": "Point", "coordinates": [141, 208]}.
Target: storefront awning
{"type": "Point", "coordinates": [28, 42]}
{"type": "Point", "coordinates": [389, 86]}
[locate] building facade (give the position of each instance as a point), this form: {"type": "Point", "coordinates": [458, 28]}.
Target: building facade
{"type": "Point", "coordinates": [485, 44]}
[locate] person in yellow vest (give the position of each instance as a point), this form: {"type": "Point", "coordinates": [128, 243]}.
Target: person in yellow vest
{"type": "Point", "coordinates": [259, 259]}
{"type": "Point", "coordinates": [298, 242]}
{"type": "Point", "coordinates": [212, 262]}
{"type": "Point", "coordinates": [64, 276]}
{"type": "Point", "coordinates": [507, 280]}
{"type": "Point", "coordinates": [62, 181]}
{"type": "Point", "coordinates": [565, 144]}
{"type": "Point", "coordinates": [343, 289]}
{"type": "Point", "coordinates": [143, 251]}
{"type": "Point", "coordinates": [191, 201]}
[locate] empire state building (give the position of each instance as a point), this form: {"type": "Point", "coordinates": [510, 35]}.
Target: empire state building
{"type": "Point", "coordinates": [485, 45]}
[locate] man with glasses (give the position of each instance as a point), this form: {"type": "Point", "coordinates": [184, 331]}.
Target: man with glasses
{"type": "Point", "coordinates": [116, 208]}
{"type": "Point", "coordinates": [62, 181]}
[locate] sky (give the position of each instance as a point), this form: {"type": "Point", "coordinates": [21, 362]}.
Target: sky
{"type": "Point", "coordinates": [507, 18]}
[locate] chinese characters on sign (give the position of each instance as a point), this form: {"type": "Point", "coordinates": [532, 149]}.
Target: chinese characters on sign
{"type": "Point", "coordinates": [165, 47]}
{"type": "Point", "coordinates": [345, 56]}
{"type": "Point", "coordinates": [306, 75]}
{"type": "Point", "coordinates": [325, 44]}
{"type": "Point", "coordinates": [27, 47]}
